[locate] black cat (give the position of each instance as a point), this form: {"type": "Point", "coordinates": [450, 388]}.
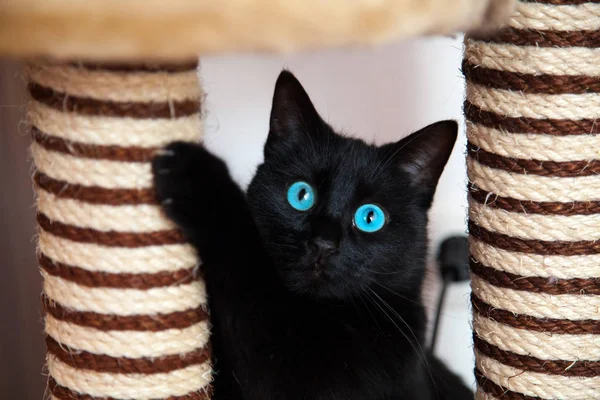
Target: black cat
{"type": "Point", "coordinates": [314, 276]}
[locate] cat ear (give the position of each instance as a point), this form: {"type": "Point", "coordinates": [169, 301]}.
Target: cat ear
{"type": "Point", "coordinates": [424, 154]}
{"type": "Point", "coordinates": [292, 112]}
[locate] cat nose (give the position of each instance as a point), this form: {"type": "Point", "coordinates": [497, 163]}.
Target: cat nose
{"type": "Point", "coordinates": [324, 247]}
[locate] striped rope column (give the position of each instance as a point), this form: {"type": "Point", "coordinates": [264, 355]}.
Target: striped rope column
{"type": "Point", "coordinates": [125, 311]}
{"type": "Point", "coordinates": [533, 97]}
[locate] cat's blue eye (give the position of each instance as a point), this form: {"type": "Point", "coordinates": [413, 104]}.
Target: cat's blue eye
{"type": "Point", "coordinates": [301, 196]}
{"type": "Point", "coordinates": [369, 218]}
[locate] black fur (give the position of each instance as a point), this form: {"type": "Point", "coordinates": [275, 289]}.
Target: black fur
{"type": "Point", "coordinates": [303, 304]}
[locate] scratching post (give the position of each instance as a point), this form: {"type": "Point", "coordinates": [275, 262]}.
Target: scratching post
{"type": "Point", "coordinates": [125, 312]}
{"type": "Point", "coordinates": [534, 207]}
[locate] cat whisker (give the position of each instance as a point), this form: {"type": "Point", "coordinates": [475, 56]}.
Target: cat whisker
{"type": "Point", "coordinates": [395, 293]}
{"type": "Point", "coordinates": [420, 352]}
{"type": "Point", "coordinates": [387, 305]}
{"type": "Point", "coordinates": [369, 310]}
{"type": "Point", "coordinates": [356, 308]}
{"type": "Point", "coordinates": [382, 273]}
{"type": "Point", "coordinates": [409, 300]}
{"type": "Point", "coordinates": [385, 314]}
{"type": "Point", "coordinates": [284, 245]}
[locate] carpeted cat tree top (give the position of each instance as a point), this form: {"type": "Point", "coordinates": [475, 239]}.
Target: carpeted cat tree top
{"type": "Point", "coordinates": [113, 81]}
{"type": "Point", "coordinates": [135, 29]}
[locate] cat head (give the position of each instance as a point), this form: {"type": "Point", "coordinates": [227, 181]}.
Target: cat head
{"type": "Point", "coordinates": [340, 216]}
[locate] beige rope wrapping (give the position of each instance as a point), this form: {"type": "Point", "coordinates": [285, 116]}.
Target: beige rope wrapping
{"type": "Point", "coordinates": [126, 315]}
{"type": "Point", "coordinates": [516, 104]}
{"type": "Point", "coordinates": [532, 103]}
{"type": "Point", "coordinates": [535, 60]}
{"type": "Point", "coordinates": [535, 147]}
{"type": "Point", "coordinates": [124, 301]}
{"type": "Point", "coordinates": [96, 129]}
{"type": "Point", "coordinates": [119, 86]}
{"type": "Point", "coordinates": [543, 345]}
{"type": "Point", "coordinates": [92, 257]}
{"type": "Point", "coordinates": [140, 218]}
{"type": "Point", "coordinates": [566, 306]}
{"type": "Point", "coordinates": [551, 267]}
{"type": "Point", "coordinates": [127, 344]}
{"type": "Point", "coordinates": [544, 386]}
{"type": "Point", "coordinates": [130, 386]}
{"type": "Point", "coordinates": [535, 226]}
{"type": "Point", "coordinates": [532, 187]}
{"type": "Point", "coordinates": [556, 17]}
{"type": "Point", "coordinates": [90, 172]}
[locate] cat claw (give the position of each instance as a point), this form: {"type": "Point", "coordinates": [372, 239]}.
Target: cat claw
{"type": "Point", "coordinates": [167, 202]}
{"type": "Point", "coordinates": [165, 153]}
{"type": "Point", "coordinates": [163, 171]}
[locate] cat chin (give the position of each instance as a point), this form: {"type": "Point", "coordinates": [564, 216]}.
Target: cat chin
{"type": "Point", "coordinates": [315, 283]}
{"type": "Point", "coordinates": [320, 292]}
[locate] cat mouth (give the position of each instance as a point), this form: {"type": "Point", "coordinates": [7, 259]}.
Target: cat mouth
{"type": "Point", "coordinates": [318, 270]}
{"type": "Point", "coordinates": [320, 266]}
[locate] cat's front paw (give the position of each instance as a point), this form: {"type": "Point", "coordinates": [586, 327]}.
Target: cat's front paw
{"type": "Point", "coordinates": [184, 173]}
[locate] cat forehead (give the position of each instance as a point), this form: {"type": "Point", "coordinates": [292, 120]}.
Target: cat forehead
{"type": "Point", "coordinates": [350, 178]}
{"type": "Point", "coordinates": [343, 164]}
{"type": "Point", "coordinates": [340, 157]}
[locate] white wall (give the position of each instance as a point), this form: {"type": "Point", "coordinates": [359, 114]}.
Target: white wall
{"type": "Point", "coordinates": [379, 94]}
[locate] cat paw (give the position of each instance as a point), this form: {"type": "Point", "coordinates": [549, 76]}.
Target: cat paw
{"type": "Point", "coordinates": [185, 174]}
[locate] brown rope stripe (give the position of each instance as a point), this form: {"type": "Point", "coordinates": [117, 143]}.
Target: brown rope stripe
{"type": "Point", "coordinates": [94, 194]}
{"type": "Point", "coordinates": [498, 391]}
{"type": "Point", "coordinates": [546, 84]}
{"type": "Point", "coordinates": [579, 368]}
{"type": "Point", "coordinates": [105, 108]}
{"type": "Point", "coordinates": [541, 38]}
{"type": "Point", "coordinates": [531, 207]}
{"type": "Point", "coordinates": [544, 325]}
{"type": "Point", "coordinates": [534, 284]}
{"type": "Point", "coordinates": [110, 238]}
{"type": "Point", "coordinates": [541, 247]}
{"type": "Point", "coordinates": [109, 322]}
{"type": "Point", "coordinates": [556, 127]}
{"type": "Point", "coordinates": [142, 281]}
{"type": "Point", "coordinates": [137, 67]}
{"type": "Point", "coordinates": [84, 360]}
{"type": "Point", "coordinates": [63, 393]}
{"type": "Point", "coordinates": [566, 169]}
{"type": "Point", "coordinates": [77, 149]}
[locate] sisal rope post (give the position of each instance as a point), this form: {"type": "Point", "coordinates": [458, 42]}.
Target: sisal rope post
{"type": "Point", "coordinates": [533, 98]}
{"type": "Point", "coordinates": [125, 312]}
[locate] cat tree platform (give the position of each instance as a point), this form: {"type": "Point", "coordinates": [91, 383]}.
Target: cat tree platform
{"type": "Point", "coordinates": [111, 82]}
{"type": "Point", "coordinates": [175, 29]}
